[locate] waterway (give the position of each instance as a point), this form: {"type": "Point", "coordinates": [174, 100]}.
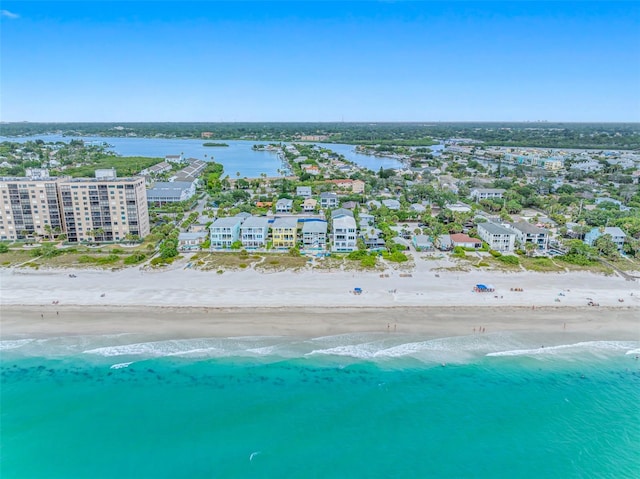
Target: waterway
{"type": "Point", "coordinates": [238, 157]}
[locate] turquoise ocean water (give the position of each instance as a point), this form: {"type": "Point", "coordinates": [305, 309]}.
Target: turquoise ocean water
{"type": "Point", "coordinates": [354, 405]}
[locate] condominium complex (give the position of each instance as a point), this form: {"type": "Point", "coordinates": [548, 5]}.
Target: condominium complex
{"type": "Point", "coordinates": [104, 209]}
{"type": "Point", "coordinates": [29, 206]}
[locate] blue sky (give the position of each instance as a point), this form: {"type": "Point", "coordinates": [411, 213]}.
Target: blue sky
{"type": "Point", "coordinates": [319, 61]}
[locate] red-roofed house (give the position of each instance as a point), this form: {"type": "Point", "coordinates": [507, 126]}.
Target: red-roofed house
{"type": "Point", "coordinates": [466, 241]}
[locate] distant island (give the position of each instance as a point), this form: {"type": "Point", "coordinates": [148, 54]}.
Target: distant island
{"type": "Point", "coordinates": [214, 144]}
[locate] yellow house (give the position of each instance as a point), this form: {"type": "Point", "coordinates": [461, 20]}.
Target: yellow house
{"type": "Point", "coordinates": [284, 233]}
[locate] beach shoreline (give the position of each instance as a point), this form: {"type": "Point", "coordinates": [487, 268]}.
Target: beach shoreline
{"type": "Point", "coordinates": [192, 322]}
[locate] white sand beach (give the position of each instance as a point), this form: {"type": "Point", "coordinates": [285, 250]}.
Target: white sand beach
{"type": "Point", "coordinates": [188, 303]}
{"type": "Point", "coordinates": [248, 288]}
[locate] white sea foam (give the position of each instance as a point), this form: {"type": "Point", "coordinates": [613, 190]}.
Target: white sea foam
{"type": "Point", "coordinates": [584, 346]}
{"type": "Point", "coordinates": [199, 347]}
{"type": "Point", "coordinates": [14, 343]}
{"type": "Point", "coordinates": [121, 365]}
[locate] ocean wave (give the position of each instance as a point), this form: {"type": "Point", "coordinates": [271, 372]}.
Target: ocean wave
{"type": "Point", "coordinates": [584, 346]}
{"type": "Point", "coordinates": [121, 365]}
{"type": "Point", "coordinates": [14, 343]}
{"type": "Point", "coordinates": [198, 347]}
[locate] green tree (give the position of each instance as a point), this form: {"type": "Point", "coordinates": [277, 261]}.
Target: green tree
{"type": "Point", "coordinates": [606, 247]}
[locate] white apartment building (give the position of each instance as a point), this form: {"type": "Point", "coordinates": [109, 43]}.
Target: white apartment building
{"type": "Point", "coordinates": [487, 193]}
{"type": "Point", "coordinates": [497, 237]}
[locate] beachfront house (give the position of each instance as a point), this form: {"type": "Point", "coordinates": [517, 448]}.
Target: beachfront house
{"type": "Point", "coordinates": [284, 205]}
{"type": "Point", "coordinates": [254, 232]}
{"type": "Point", "coordinates": [284, 233]}
{"type": "Point", "coordinates": [529, 233]}
{"type": "Point", "coordinates": [225, 232]}
{"type": "Point", "coordinates": [617, 236]}
{"type": "Point", "coordinates": [344, 234]}
{"type": "Point", "coordinates": [422, 243]}
{"type": "Point", "coordinates": [443, 242]}
{"type": "Point", "coordinates": [487, 193]}
{"type": "Point", "coordinates": [465, 241]}
{"type": "Point", "coordinates": [497, 237]}
{"type": "Point", "coordinates": [372, 238]}
{"type": "Point", "coordinates": [314, 235]}
{"type": "Point", "coordinates": [191, 241]}
{"type": "Point", "coordinates": [328, 199]}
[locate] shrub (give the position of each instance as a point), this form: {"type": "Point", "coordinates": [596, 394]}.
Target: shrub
{"type": "Point", "coordinates": [158, 261]}
{"type": "Point", "coordinates": [494, 253]}
{"type": "Point", "coordinates": [512, 260]}
{"type": "Point", "coordinates": [368, 262]}
{"type": "Point", "coordinates": [357, 255]}
{"type": "Point", "coordinates": [135, 258]}
{"type": "Point", "coordinates": [577, 259]}
{"type": "Point", "coordinates": [397, 257]}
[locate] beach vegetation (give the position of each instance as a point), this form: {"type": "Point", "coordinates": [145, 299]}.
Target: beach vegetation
{"type": "Point", "coordinates": [396, 257]}
{"type": "Point", "coordinates": [509, 259]}
{"type": "Point", "coordinates": [99, 260]}
{"type": "Point", "coordinates": [135, 258]}
{"type": "Point", "coordinates": [540, 264]}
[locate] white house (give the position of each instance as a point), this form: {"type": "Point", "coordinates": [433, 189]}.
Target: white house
{"type": "Point", "coordinates": [304, 191]}
{"type": "Point", "coordinates": [344, 234]}
{"type": "Point", "coordinates": [497, 237]}
{"type": "Point", "coordinates": [254, 231]}
{"type": "Point", "coordinates": [328, 199]}
{"type": "Point", "coordinates": [487, 193]}
{"type": "Point", "coordinates": [528, 233]}
{"type": "Point", "coordinates": [314, 235]}
{"type": "Point", "coordinates": [284, 205]}
{"type": "Point", "coordinates": [190, 241]}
